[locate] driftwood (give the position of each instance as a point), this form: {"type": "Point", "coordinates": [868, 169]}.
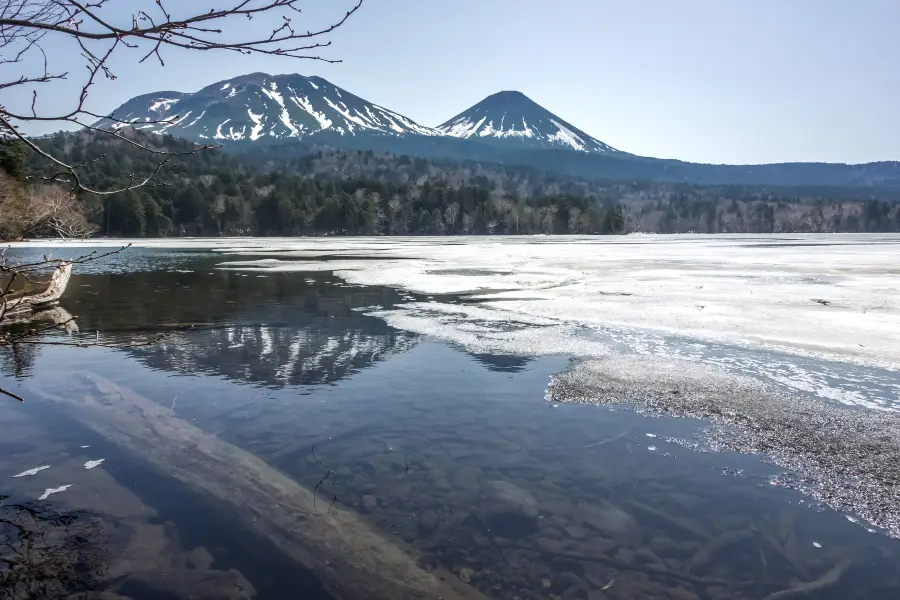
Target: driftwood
{"type": "Point", "coordinates": [42, 295]}
{"type": "Point", "coordinates": [345, 552]}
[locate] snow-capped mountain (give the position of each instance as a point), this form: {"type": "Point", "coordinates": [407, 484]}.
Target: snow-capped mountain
{"type": "Point", "coordinates": [259, 107]}
{"type": "Point", "coordinates": [514, 117]}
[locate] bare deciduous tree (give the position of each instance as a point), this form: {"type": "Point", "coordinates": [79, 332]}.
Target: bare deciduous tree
{"type": "Point", "coordinates": [100, 29]}
{"type": "Point", "coordinates": [575, 220]}
{"type": "Point", "coordinates": [467, 223]}
{"type": "Point", "coordinates": [450, 214]}
{"type": "Point", "coordinates": [39, 210]}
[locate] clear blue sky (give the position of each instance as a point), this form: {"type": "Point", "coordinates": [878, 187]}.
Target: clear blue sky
{"type": "Point", "coordinates": [702, 80]}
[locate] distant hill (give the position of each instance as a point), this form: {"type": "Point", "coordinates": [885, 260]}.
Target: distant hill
{"type": "Point", "coordinates": [300, 114]}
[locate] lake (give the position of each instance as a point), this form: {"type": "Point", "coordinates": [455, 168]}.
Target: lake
{"type": "Point", "coordinates": [636, 417]}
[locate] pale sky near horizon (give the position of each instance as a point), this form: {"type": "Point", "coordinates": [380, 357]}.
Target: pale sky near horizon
{"type": "Point", "coordinates": [700, 80]}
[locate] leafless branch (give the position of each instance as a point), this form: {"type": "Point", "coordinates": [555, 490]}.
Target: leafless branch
{"type": "Point", "coordinates": [100, 28]}
{"type": "Point", "coordinates": [11, 395]}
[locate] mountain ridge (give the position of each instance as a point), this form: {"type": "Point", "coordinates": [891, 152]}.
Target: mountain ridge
{"type": "Point", "coordinates": [299, 114]}
{"type": "Point", "coordinates": [260, 106]}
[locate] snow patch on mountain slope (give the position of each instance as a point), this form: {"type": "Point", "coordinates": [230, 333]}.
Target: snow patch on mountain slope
{"type": "Point", "coordinates": [464, 128]}
{"type": "Point", "coordinates": [394, 125]}
{"type": "Point", "coordinates": [257, 124]}
{"type": "Point", "coordinates": [566, 136]}
{"type": "Point", "coordinates": [344, 112]}
{"type": "Point", "coordinates": [407, 123]}
{"type": "Point", "coordinates": [304, 103]}
{"type": "Point", "coordinates": [219, 135]}
{"type": "Point", "coordinates": [173, 123]}
{"type": "Point", "coordinates": [124, 123]}
{"type": "Point", "coordinates": [163, 103]}
{"type": "Point", "coordinates": [194, 122]}
{"type": "Point", "coordinates": [274, 95]}
{"type": "Point", "coordinates": [284, 116]}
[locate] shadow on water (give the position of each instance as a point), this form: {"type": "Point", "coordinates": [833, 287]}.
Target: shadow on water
{"type": "Point", "coordinates": [457, 456]}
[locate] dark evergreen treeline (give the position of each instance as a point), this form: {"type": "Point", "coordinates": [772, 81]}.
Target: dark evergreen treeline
{"type": "Point", "coordinates": [213, 193]}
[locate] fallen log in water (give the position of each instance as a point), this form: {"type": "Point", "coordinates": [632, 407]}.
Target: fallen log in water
{"type": "Point", "coordinates": [38, 296]}
{"type": "Point", "coordinates": [345, 552]}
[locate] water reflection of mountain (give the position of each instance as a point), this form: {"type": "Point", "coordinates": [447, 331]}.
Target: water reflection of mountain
{"type": "Point", "coordinates": [502, 362]}
{"type": "Point", "coordinates": [323, 351]}
{"type": "Point", "coordinates": [279, 329]}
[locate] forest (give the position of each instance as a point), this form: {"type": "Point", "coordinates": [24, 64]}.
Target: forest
{"type": "Point", "coordinates": [214, 193]}
{"type": "Point", "coordinates": [346, 192]}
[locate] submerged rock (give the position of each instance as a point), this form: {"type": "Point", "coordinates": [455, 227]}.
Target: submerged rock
{"type": "Point", "coordinates": [428, 520]}
{"type": "Point", "coordinates": [199, 558]}
{"type": "Point", "coordinates": [550, 545]}
{"type": "Point", "coordinates": [510, 511]}
{"type": "Point", "coordinates": [500, 497]}
{"type": "Point", "coordinates": [563, 581]}
{"type": "Point", "coordinates": [369, 503]}
{"type": "Point", "coordinates": [611, 522]}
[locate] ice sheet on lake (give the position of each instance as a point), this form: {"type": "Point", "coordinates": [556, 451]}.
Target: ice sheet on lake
{"type": "Point", "coordinates": [92, 464]}
{"type": "Point", "coordinates": [757, 291]}
{"type": "Point", "coordinates": [31, 472]}
{"type": "Point", "coordinates": [50, 491]}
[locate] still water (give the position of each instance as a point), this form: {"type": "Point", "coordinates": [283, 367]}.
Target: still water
{"type": "Point", "coordinates": [277, 443]}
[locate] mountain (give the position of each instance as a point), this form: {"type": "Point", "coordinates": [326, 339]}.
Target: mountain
{"type": "Point", "coordinates": [293, 115]}
{"type": "Point", "coordinates": [260, 107]}
{"type": "Point", "coordinates": [514, 118]}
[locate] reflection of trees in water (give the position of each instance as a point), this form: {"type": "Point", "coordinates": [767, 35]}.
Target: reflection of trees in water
{"type": "Point", "coordinates": [17, 359]}
{"type": "Point", "coordinates": [47, 554]}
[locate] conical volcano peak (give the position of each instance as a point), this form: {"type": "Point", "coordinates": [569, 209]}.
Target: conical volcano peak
{"type": "Point", "coordinates": [513, 117]}
{"type": "Point", "coordinates": [510, 94]}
